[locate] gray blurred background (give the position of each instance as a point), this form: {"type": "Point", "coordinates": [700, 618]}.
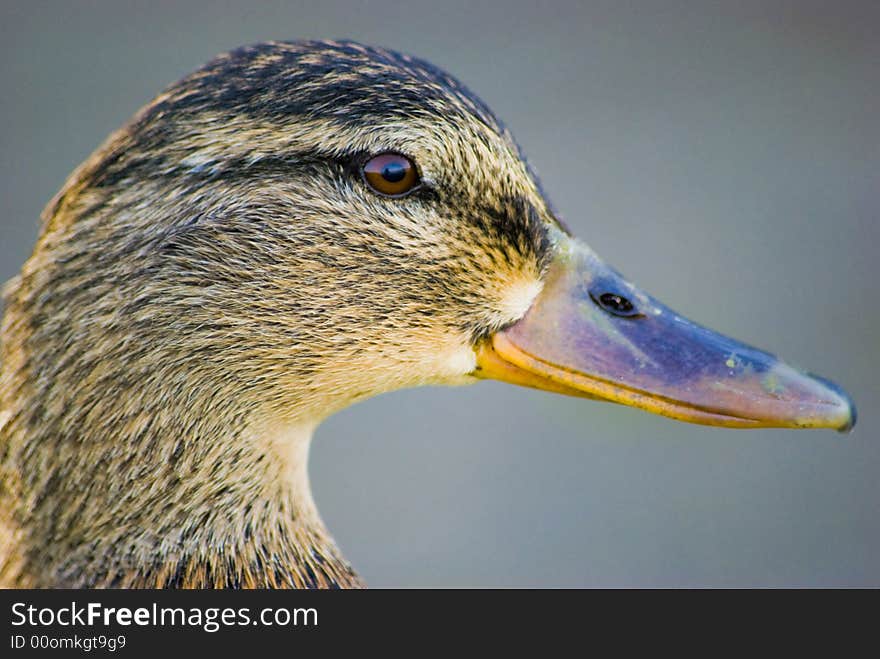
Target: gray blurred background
{"type": "Point", "coordinates": [723, 155]}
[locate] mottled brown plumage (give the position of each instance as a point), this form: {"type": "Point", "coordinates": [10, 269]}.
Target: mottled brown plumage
{"type": "Point", "coordinates": [215, 281]}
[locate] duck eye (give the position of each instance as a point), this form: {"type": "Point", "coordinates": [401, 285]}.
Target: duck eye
{"type": "Point", "coordinates": [390, 174]}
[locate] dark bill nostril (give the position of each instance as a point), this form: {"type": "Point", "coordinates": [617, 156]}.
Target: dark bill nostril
{"type": "Point", "coordinates": [616, 304]}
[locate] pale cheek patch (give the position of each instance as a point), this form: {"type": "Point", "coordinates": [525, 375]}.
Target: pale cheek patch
{"type": "Point", "coordinates": [448, 362]}
{"type": "Point", "coordinates": [455, 364]}
{"type": "Point", "coordinates": [518, 299]}
{"type": "Point", "coordinates": [460, 362]}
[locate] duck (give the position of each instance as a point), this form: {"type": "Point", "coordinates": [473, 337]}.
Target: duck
{"type": "Point", "coordinates": [291, 229]}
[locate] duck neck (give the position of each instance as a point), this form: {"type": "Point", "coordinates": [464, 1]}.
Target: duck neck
{"type": "Point", "coordinates": [180, 511]}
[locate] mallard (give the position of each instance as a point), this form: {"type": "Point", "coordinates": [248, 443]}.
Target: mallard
{"type": "Point", "coordinates": [290, 229]}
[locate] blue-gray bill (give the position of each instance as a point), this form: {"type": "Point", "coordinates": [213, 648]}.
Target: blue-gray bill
{"type": "Point", "coordinates": [591, 333]}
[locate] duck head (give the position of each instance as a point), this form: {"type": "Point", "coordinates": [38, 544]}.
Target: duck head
{"type": "Point", "coordinates": [291, 229]}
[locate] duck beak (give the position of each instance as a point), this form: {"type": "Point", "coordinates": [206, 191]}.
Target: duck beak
{"type": "Point", "coordinates": [591, 333]}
